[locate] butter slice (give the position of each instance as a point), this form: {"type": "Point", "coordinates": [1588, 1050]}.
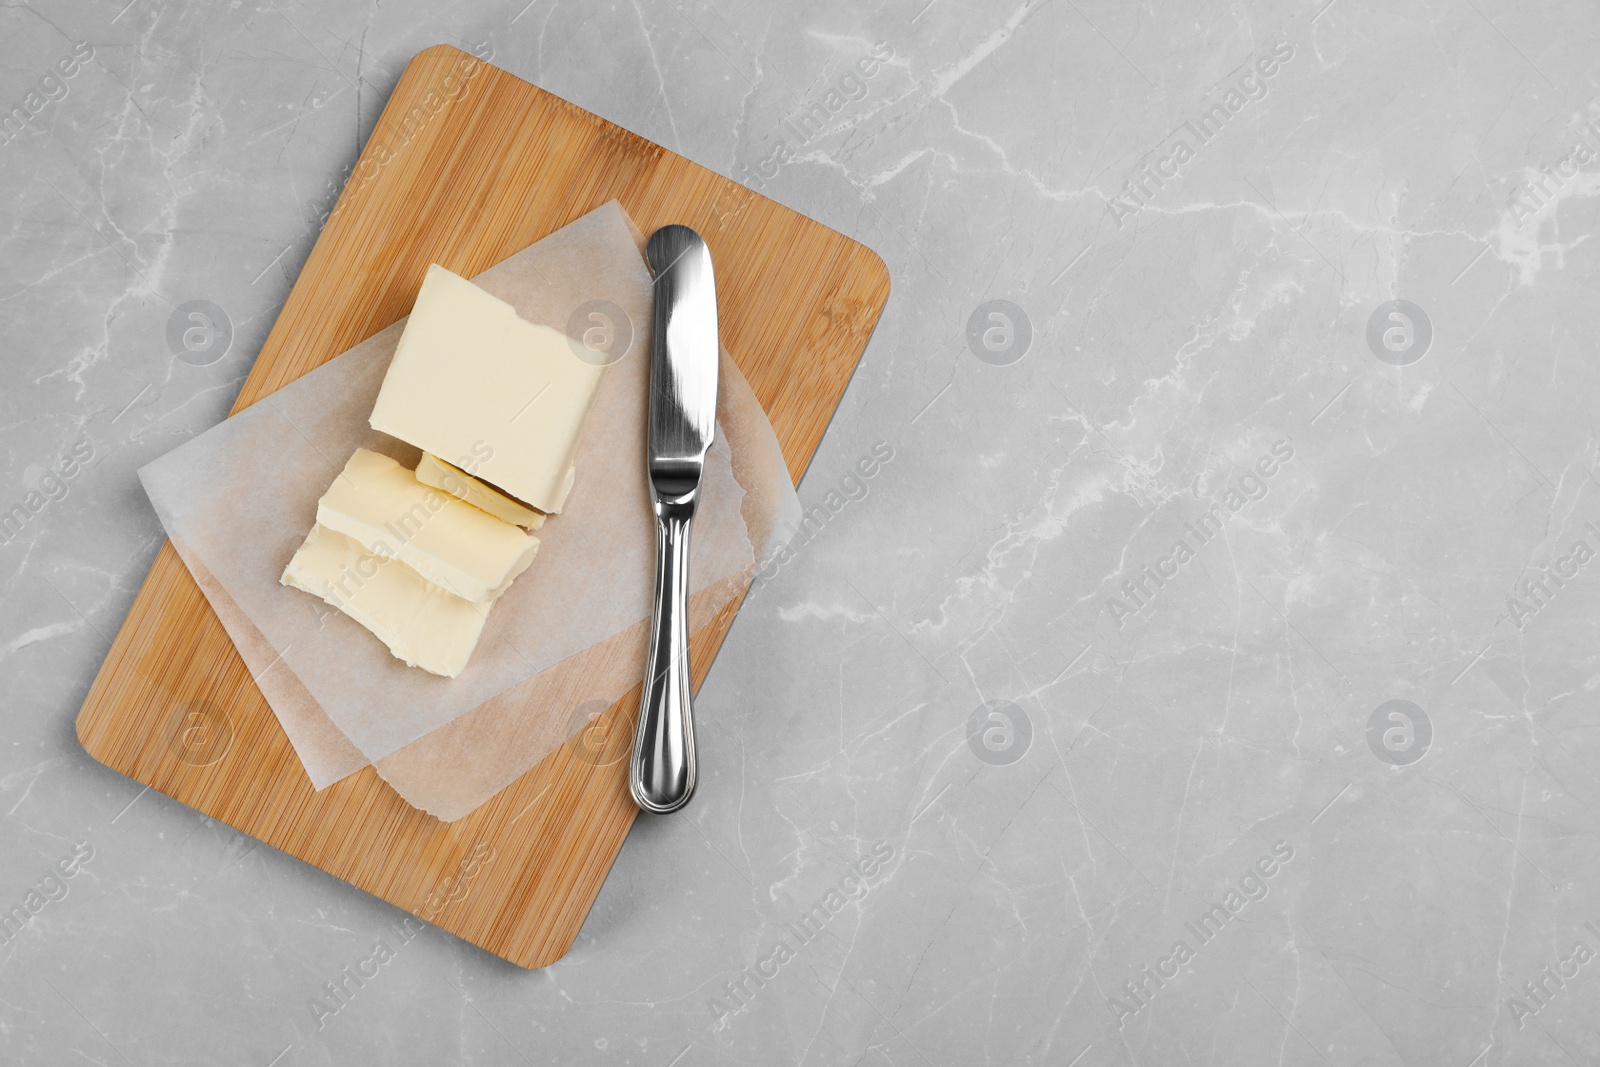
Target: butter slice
{"type": "Point", "coordinates": [421, 623]}
{"type": "Point", "coordinates": [458, 483]}
{"type": "Point", "coordinates": [465, 551]}
{"type": "Point", "coordinates": [470, 377]}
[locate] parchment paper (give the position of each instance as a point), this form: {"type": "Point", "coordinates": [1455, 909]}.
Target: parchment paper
{"type": "Point", "coordinates": [238, 500]}
{"type": "Point", "coordinates": [451, 771]}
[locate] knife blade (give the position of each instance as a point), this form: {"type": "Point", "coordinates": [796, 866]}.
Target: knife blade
{"type": "Point", "coordinates": [683, 411]}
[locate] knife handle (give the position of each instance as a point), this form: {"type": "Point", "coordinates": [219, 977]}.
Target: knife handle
{"type": "Point", "coordinates": [661, 776]}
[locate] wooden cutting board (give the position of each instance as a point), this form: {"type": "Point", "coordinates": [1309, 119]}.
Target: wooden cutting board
{"type": "Point", "coordinates": [466, 166]}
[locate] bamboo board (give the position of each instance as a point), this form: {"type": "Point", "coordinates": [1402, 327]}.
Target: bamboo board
{"type": "Point", "coordinates": [466, 166]}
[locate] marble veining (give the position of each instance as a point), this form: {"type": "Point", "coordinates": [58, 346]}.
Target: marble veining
{"type": "Point", "coordinates": [1207, 675]}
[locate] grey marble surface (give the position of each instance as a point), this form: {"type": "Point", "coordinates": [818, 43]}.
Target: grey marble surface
{"type": "Point", "coordinates": [1054, 763]}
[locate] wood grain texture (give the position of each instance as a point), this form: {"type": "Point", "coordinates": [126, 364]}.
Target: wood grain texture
{"type": "Point", "coordinates": [466, 166]}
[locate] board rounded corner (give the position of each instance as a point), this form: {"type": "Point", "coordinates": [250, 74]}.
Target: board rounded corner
{"type": "Point", "coordinates": [443, 48]}
{"type": "Point", "coordinates": [880, 270]}
{"type": "Point", "coordinates": [79, 728]}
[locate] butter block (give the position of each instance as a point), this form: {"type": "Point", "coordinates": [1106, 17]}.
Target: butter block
{"type": "Point", "coordinates": [435, 472]}
{"type": "Point", "coordinates": [470, 377]}
{"type": "Point", "coordinates": [422, 624]}
{"type": "Point", "coordinates": [383, 507]}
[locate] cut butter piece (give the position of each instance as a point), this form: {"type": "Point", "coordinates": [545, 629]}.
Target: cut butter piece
{"type": "Point", "coordinates": [435, 472]}
{"type": "Point", "coordinates": [470, 377]}
{"type": "Point", "coordinates": [381, 505]}
{"type": "Point", "coordinates": [421, 623]}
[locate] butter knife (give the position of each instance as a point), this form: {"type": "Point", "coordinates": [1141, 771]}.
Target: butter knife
{"type": "Point", "coordinates": [683, 412]}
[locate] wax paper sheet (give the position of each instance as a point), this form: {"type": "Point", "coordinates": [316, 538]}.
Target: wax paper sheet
{"type": "Point", "coordinates": [238, 500]}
